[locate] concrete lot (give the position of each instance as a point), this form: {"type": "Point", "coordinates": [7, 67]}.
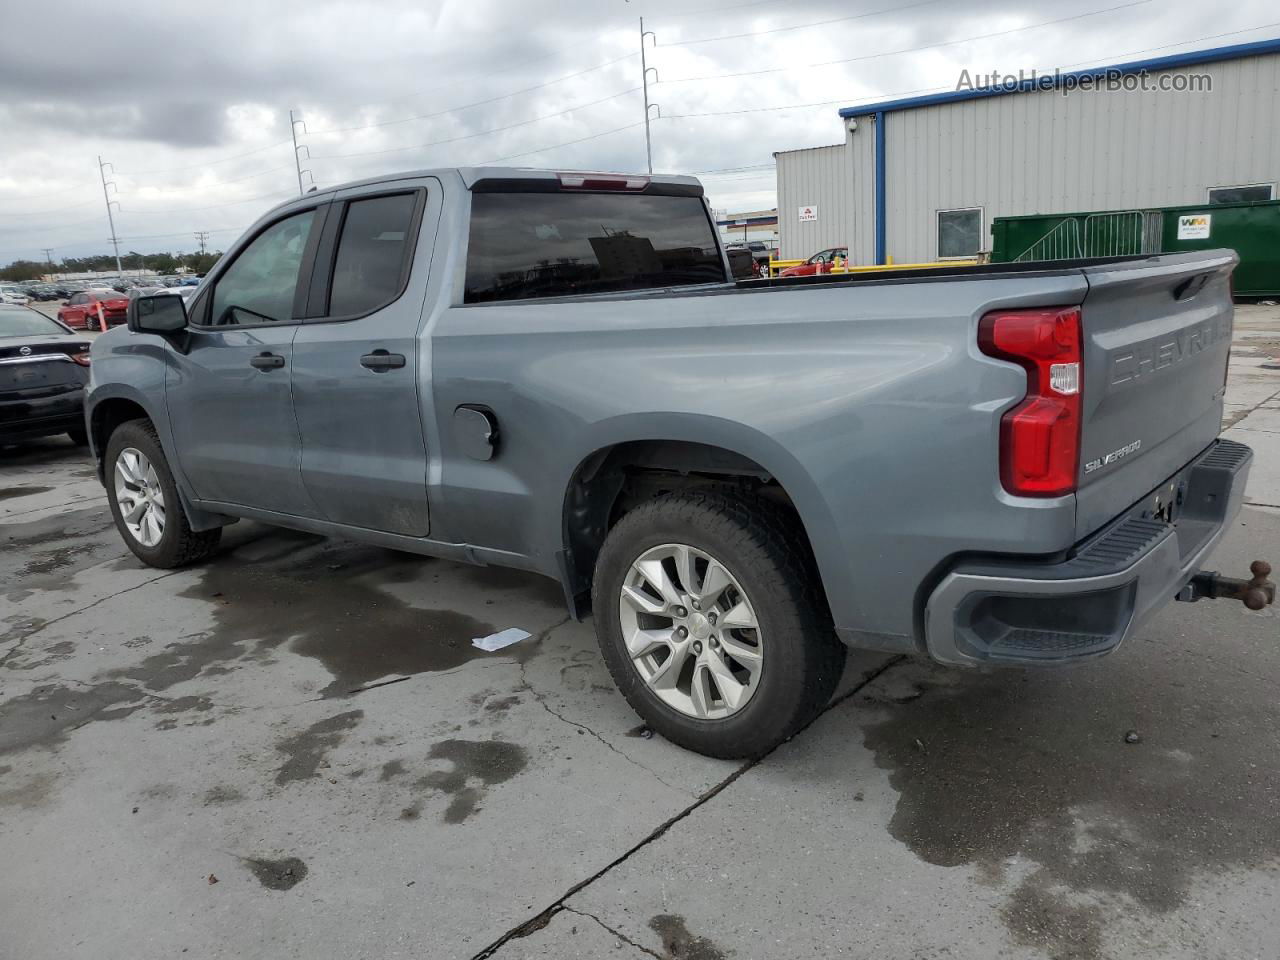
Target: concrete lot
{"type": "Point", "coordinates": [294, 751]}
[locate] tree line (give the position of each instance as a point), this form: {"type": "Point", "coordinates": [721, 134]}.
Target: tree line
{"type": "Point", "coordinates": [131, 261]}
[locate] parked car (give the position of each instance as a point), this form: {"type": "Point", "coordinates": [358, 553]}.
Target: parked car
{"type": "Point", "coordinates": [81, 310]}
{"type": "Point", "coordinates": [13, 294]}
{"type": "Point", "coordinates": [1005, 464]}
{"type": "Point", "coordinates": [818, 263]}
{"type": "Point", "coordinates": [43, 372]}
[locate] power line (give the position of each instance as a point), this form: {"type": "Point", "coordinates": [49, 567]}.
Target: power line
{"type": "Point", "coordinates": [803, 26]}
{"type": "Point", "coordinates": [877, 97]}
{"type": "Point", "coordinates": [568, 143]}
{"type": "Point", "coordinates": [205, 163]}
{"type": "Point", "coordinates": [201, 236]}
{"type": "Point", "coordinates": [42, 213]}
{"type": "Point", "coordinates": [928, 46]}
{"type": "Point", "coordinates": [471, 136]}
{"type": "Point", "coordinates": [477, 103]}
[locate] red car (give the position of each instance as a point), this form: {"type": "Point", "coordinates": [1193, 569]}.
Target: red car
{"type": "Point", "coordinates": [81, 311]}
{"type": "Point", "coordinates": [818, 263]}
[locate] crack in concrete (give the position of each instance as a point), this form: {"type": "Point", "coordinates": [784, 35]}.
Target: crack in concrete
{"type": "Point", "coordinates": [617, 933]}
{"type": "Point", "coordinates": [542, 919]}
{"type": "Point", "coordinates": [541, 698]}
{"type": "Point", "coordinates": [74, 613]}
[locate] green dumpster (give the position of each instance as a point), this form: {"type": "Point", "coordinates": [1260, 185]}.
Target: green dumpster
{"type": "Point", "coordinates": [1251, 229]}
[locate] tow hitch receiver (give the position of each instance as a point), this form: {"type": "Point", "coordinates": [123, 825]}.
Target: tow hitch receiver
{"type": "Point", "coordinates": [1254, 594]}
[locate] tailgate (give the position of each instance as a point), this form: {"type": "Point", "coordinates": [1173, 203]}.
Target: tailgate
{"type": "Point", "coordinates": [1157, 333]}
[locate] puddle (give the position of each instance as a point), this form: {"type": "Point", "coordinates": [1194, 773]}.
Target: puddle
{"type": "Point", "coordinates": [283, 874]}
{"type": "Point", "coordinates": [306, 751]}
{"type": "Point", "coordinates": [1035, 767]}
{"type": "Point", "coordinates": [46, 715]}
{"type": "Point", "coordinates": [679, 944]}
{"type": "Point", "coordinates": [326, 595]}
{"type": "Point", "coordinates": [475, 765]}
{"type": "Point", "coordinates": [51, 550]}
{"type": "Point", "coordinates": [13, 493]}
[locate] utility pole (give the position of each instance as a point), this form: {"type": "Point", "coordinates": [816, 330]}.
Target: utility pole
{"type": "Point", "coordinates": [115, 241]}
{"type": "Point", "coordinates": [297, 159]}
{"type": "Point", "coordinates": [645, 70]}
{"type": "Point", "coordinates": [48, 258]}
{"type": "Point", "coordinates": [202, 236]}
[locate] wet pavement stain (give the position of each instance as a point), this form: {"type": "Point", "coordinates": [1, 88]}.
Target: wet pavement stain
{"type": "Point", "coordinates": [306, 751]}
{"type": "Point", "coordinates": [283, 874]}
{"type": "Point", "coordinates": [475, 765]}
{"type": "Point", "coordinates": [679, 944]}
{"type": "Point", "coordinates": [49, 712]}
{"type": "Point", "coordinates": [324, 596]}
{"type": "Point", "coordinates": [1034, 767]}
{"type": "Point", "coordinates": [50, 551]}
{"type": "Point", "coordinates": [12, 493]}
{"type": "Point", "coordinates": [221, 795]}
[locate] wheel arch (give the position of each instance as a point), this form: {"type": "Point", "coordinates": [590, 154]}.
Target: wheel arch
{"type": "Point", "coordinates": [643, 459]}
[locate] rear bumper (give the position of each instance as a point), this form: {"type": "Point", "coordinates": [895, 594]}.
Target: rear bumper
{"type": "Point", "coordinates": [1019, 612]}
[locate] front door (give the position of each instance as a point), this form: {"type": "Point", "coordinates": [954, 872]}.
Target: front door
{"type": "Point", "coordinates": [228, 392]}
{"type": "Point", "coordinates": [357, 370]}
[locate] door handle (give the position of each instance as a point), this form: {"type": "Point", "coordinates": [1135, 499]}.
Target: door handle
{"type": "Point", "coordinates": [380, 361]}
{"type": "Point", "coordinates": [267, 361]}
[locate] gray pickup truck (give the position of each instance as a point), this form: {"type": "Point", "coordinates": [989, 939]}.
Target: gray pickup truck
{"type": "Point", "coordinates": [1009, 464]}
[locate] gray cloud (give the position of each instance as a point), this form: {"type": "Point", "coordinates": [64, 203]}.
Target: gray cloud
{"type": "Point", "coordinates": [190, 104]}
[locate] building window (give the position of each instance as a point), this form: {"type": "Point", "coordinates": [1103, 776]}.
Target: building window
{"type": "Point", "coordinates": [1245, 194]}
{"type": "Point", "coordinates": [959, 233]}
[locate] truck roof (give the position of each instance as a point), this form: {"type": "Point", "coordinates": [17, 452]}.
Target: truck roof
{"type": "Point", "coordinates": [471, 176]}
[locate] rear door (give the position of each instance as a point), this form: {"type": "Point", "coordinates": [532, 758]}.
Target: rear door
{"type": "Point", "coordinates": [357, 369]}
{"type": "Point", "coordinates": [1157, 334]}
{"type": "Point", "coordinates": [228, 392]}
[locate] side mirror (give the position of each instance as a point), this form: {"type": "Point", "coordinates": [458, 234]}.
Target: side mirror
{"type": "Point", "coordinates": [163, 313]}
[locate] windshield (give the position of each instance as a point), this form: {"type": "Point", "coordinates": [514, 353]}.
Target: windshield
{"type": "Point", "coordinates": [27, 323]}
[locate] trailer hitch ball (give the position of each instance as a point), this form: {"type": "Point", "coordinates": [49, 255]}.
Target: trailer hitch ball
{"type": "Point", "coordinates": [1255, 593]}
{"type": "Point", "coordinates": [1260, 591]}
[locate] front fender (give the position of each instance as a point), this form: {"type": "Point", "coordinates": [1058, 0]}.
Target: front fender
{"type": "Point", "coordinates": [131, 367]}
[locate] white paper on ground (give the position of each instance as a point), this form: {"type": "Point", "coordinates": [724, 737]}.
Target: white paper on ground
{"type": "Point", "coordinates": [503, 638]}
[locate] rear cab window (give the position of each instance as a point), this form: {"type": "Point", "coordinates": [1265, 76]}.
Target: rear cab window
{"type": "Point", "coordinates": [371, 264]}
{"type": "Point", "coordinates": [550, 244]}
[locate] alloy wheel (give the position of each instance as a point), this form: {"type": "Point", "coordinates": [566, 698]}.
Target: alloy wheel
{"type": "Point", "coordinates": [139, 496]}
{"type": "Point", "coordinates": [691, 631]}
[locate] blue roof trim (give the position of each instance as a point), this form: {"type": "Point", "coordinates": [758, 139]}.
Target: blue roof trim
{"type": "Point", "coordinates": [1213, 55]}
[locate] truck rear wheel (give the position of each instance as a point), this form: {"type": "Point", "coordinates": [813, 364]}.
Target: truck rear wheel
{"type": "Point", "coordinates": [145, 503]}
{"type": "Point", "coordinates": [711, 622]}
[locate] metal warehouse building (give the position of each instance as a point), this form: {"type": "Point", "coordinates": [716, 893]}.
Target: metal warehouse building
{"type": "Point", "coordinates": [921, 179]}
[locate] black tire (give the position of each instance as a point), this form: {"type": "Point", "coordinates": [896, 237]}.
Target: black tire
{"type": "Point", "coordinates": [761, 546]}
{"type": "Point", "coordinates": [179, 545]}
{"type": "Point", "coordinates": [79, 436]}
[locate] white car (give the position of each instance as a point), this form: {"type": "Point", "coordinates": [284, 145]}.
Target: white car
{"type": "Point", "coordinates": [9, 294]}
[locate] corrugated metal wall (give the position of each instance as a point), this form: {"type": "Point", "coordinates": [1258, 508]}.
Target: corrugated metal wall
{"type": "Point", "coordinates": [1041, 153]}
{"type": "Point", "coordinates": [820, 178]}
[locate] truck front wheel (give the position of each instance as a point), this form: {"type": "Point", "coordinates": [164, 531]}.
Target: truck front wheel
{"type": "Point", "coordinates": [711, 622]}
{"type": "Point", "coordinates": [145, 504]}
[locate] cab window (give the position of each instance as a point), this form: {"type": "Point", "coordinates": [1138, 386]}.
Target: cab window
{"type": "Point", "coordinates": [259, 285]}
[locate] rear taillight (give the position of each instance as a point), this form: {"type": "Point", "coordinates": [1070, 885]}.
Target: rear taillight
{"type": "Point", "coordinates": [1040, 437]}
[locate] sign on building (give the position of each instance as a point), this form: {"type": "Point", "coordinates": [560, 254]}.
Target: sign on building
{"type": "Point", "coordinates": [1194, 226]}
{"type": "Point", "coordinates": [809, 214]}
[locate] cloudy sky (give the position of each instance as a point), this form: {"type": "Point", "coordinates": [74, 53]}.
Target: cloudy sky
{"type": "Point", "coordinates": [190, 103]}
